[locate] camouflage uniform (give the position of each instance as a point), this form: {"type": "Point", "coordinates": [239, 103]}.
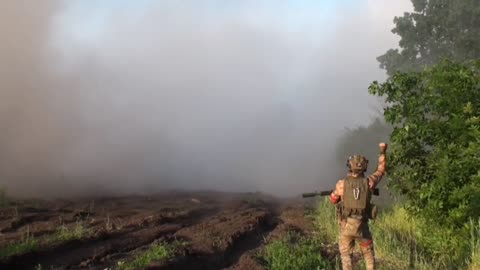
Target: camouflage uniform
{"type": "Point", "coordinates": [355, 227]}
{"type": "Point", "coordinates": [352, 230]}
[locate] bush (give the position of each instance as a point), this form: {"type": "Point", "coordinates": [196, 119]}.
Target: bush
{"type": "Point", "coordinates": [435, 144]}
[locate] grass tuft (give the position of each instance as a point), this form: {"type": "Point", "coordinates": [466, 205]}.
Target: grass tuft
{"type": "Point", "coordinates": [64, 233]}
{"type": "Point", "coordinates": [27, 244]}
{"type": "Point", "coordinates": [156, 252]}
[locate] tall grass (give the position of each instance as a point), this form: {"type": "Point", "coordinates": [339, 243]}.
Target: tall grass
{"type": "Point", "coordinates": [396, 239]}
{"type": "Point", "coordinates": [325, 221]}
{"type": "Point", "coordinates": [474, 245]}
{"type": "Point", "coordinates": [403, 242]}
{"type": "Point", "coordinates": [294, 252]}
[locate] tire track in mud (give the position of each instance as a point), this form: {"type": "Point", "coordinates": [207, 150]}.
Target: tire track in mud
{"type": "Point", "coordinates": [83, 253]}
{"type": "Point", "coordinates": [108, 258]}
{"type": "Point", "coordinates": [237, 231]}
{"type": "Point", "coordinates": [290, 217]}
{"type": "Point", "coordinates": [221, 233]}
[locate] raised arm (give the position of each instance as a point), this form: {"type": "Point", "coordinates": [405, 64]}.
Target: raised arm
{"type": "Point", "coordinates": [376, 177]}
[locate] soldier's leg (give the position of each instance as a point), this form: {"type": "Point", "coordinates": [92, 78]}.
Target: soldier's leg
{"type": "Point", "coordinates": [366, 244]}
{"type": "Point", "coordinates": [368, 254]}
{"type": "Point", "coordinates": [346, 244]}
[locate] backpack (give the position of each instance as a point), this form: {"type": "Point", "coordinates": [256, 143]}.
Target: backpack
{"type": "Point", "coordinates": [356, 197]}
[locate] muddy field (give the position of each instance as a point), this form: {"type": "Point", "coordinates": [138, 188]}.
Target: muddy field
{"type": "Point", "coordinates": [209, 230]}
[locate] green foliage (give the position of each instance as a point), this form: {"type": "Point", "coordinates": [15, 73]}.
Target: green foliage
{"type": "Point", "coordinates": [156, 252]}
{"type": "Point", "coordinates": [27, 244]}
{"type": "Point", "coordinates": [435, 144]}
{"type": "Point", "coordinates": [294, 252]}
{"type": "Point", "coordinates": [436, 29]}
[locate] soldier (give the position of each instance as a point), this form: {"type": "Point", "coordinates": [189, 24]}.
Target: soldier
{"type": "Point", "coordinates": [352, 196]}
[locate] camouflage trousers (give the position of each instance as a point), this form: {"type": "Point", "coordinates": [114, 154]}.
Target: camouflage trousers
{"type": "Point", "coordinates": [351, 231]}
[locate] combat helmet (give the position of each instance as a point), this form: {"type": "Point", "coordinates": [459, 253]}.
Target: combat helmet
{"type": "Point", "coordinates": [357, 163]}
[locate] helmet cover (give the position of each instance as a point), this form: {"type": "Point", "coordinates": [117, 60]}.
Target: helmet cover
{"type": "Point", "coordinates": [357, 163]}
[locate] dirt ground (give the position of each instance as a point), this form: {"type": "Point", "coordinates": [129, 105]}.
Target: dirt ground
{"type": "Point", "coordinates": [219, 230]}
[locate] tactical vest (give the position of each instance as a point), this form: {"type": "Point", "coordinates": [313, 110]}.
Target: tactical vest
{"type": "Point", "coordinates": [356, 197]}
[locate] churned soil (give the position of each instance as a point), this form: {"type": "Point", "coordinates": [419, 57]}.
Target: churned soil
{"type": "Point", "coordinates": [219, 230]}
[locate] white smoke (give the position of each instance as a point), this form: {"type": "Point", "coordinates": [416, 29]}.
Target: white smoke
{"type": "Point", "coordinates": [239, 96]}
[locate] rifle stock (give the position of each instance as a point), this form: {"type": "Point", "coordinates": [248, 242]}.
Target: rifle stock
{"type": "Point", "coordinates": [376, 192]}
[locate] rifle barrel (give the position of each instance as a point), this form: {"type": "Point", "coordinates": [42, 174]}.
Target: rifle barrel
{"type": "Point", "coordinates": [376, 192]}
{"type": "Point", "coordinates": [319, 193]}
{"type": "Point", "coordinates": [306, 195]}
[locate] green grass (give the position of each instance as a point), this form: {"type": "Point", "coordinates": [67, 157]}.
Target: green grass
{"type": "Point", "coordinates": [397, 246]}
{"type": "Point", "coordinates": [156, 252]}
{"type": "Point", "coordinates": [474, 245]}
{"type": "Point", "coordinates": [403, 242]}
{"type": "Point", "coordinates": [294, 252]}
{"type": "Point", "coordinates": [27, 244]}
{"type": "Point", "coordinates": [324, 219]}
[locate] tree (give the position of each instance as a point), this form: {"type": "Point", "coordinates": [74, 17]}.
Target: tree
{"type": "Point", "coordinates": [435, 144]}
{"type": "Point", "coordinates": [436, 29]}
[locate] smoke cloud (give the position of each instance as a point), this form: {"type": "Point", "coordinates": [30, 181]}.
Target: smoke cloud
{"type": "Point", "coordinates": [111, 97]}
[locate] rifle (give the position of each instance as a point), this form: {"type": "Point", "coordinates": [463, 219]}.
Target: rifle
{"type": "Point", "coordinates": [376, 192]}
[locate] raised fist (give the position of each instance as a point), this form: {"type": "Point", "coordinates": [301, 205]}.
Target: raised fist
{"type": "Point", "coordinates": [383, 147]}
